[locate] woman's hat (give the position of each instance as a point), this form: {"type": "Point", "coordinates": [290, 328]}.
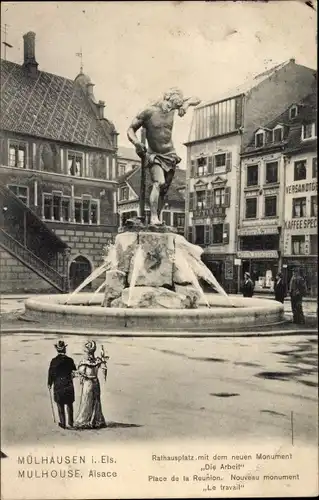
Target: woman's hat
{"type": "Point", "coordinates": [90, 346]}
{"type": "Point", "coordinates": [60, 346]}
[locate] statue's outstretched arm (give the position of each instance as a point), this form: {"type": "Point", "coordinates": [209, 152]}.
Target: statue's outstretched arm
{"type": "Point", "coordinates": [189, 101]}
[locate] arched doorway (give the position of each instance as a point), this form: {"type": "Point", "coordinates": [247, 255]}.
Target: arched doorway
{"type": "Point", "coordinates": [79, 270]}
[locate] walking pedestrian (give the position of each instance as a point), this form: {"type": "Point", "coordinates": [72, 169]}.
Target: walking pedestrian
{"type": "Point", "coordinates": [297, 290]}
{"type": "Point", "coordinates": [248, 286]}
{"type": "Point", "coordinates": [280, 288]}
{"type": "Point", "coordinates": [61, 372]}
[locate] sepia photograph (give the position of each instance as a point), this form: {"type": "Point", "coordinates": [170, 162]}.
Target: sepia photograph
{"type": "Point", "coordinates": [158, 249]}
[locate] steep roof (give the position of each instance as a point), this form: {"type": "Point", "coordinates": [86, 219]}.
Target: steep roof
{"type": "Point", "coordinates": [132, 178]}
{"type": "Point", "coordinates": [245, 86]}
{"type": "Point", "coordinates": [307, 112]}
{"type": "Point", "coordinates": [52, 107]}
{"type": "Point", "coordinates": [126, 153]}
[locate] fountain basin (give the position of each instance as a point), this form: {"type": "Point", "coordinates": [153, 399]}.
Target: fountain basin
{"type": "Point", "coordinates": [247, 313]}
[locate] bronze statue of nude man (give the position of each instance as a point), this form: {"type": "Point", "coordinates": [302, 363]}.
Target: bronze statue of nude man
{"type": "Point", "coordinates": [160, 156]}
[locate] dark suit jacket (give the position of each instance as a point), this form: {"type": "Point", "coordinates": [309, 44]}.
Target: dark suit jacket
{"type": "Point", "coordinates": [60, 375]}
{"type": "Point", "coordinates": [248, 288]}
{"type": "Point", "coordinates": [280, 290]}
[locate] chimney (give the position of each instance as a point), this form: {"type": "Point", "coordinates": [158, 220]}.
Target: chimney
{"type": "Point", "coordinates": [30, 62]}
{"type": "Point", "coordinates": [101, 106]}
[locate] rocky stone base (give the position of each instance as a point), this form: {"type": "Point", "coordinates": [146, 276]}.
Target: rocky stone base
{"type": "Point", "coordinates": [153, 270]}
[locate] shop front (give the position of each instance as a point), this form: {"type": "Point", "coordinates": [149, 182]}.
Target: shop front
{"type": "Point", "coordinates": [262, 265]}
{"type": "Point", "coordinates": [222, 267]}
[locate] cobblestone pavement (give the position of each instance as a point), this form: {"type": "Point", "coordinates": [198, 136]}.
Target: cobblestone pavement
{"type": "Point", "coordinates": [160, 388]}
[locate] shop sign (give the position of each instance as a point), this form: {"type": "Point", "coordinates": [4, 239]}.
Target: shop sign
{"type": "Point", "coordinates": [211, 212]}
{"type": "Point", "coordinates": [256, 231]}
{"type": "Point", "coordinates": [301, 223]}
{"type": "Point", "coordinates": [237, 262]}
{"type": "Point", "coordinates": [258, 254]}
{"type": "Point", "coordinates": [305, 187]}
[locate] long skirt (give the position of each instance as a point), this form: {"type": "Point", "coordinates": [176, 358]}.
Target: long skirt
{"type": "Point", "coordinates": [297, 312]}
{"type": "Point", "coordinates": [90, 414]}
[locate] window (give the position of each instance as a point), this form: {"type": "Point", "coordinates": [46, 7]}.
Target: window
{"type": "Point", "coordinates": [75, 164]}
{"type": "Point", "coordinates": [56, 207]}
{"type": "Point", "coordinates": [219, 197]}
{"type": "Point", "coordinates": [199, 235]}
{"type": "Point", "coordinates": [308, 131]}
{"type": "Point", "coordinates": [259, 139]}
{"type": "Point", "coordinates": [270, 206]}
{"type": "Point", "coordinates": [252, 175]}
{"type": "Point", "coordinates": [278, 134]}
{"type": "Point", "coordinates": [314, 168]}
{"type": "Point", "coordinates": [128, 215]}
{"type": "Point", "coordinates": [217, 119]}
{"type": "Point", "coordinates": [300, 171]}
{"type": "Point", "coordinates": [201, 199]}
{"type": "Point", "coordinates": [314, 206]}
{"type": "Point", "coordinates": [17, 155]}
{"type": "Point", "coordinates": [220, 163]}
{"type": "Point", "coordinates": [293, 112]}
{"type": "Point", "coordinates": [298, 245]}
{"type": "Point", "coordinates": [179, 219]}
{"type": "Point", "coordinates": [121, 169]}
{"type": "Point", "coordinates": [313, 244]}
{"type": "Point", "coordinates": [124, 193]}
{"type": "Point", "coordinates": [298, 207]}
{"type": "Point", "coordinates": [166, 217]}
{"type": "Point", "coordinates": [251, 208]}
{"type": "Point", "coordinates": [218, 233]}
{"type": "Point", "coordinates": [86, 211]}
{"type": "Point", "coordinates": [271, 172]}
{"type": "Point", "coordinates": [21, 192]}
{"type": "Point", "coordinates": [202, 166]}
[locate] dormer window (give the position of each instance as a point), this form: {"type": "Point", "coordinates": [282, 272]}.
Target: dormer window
{"type": "Point", "coordinates": [278, 133]}
{"type": "Point", "coordinates": [260, 139]}
{"type": "Point", "coordinates": [308, 131]}
{"type": "Point", "coordinates": [293, 112]}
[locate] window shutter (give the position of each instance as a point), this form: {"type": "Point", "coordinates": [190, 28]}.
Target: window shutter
{"type": "Point", "coordinates": [227, 197]}
{"type": "Point", "coordinates": [207, 235]}
{"type": "Point", "coordinates": [210, 164]}
{"type": "Point", "coordinates": [228, 162]}
{"type": "Point", "coordinates": [193, 168]}
{"type": "Point", "coordinates": [226, 233]}
{"type": "Point", "coordinates": [191, 201]}
{"type": "Point", "coordinates": [190, 234]}
{"type": "Point", "coordinates": [213, 163]}
{"type": "Point", "coordinates": [209, 198]}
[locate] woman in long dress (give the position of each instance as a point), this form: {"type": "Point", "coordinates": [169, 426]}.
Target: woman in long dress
{"type": "Point", "coordinates": [90, 415]}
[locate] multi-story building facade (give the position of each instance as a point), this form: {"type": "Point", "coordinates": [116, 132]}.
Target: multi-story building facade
{"type": "Point", "coordinates": [278, 204]}
{"type": "Point", "coordinates": [129, 188]}
{"type": "Point", "coordinates": [300, 230]}
{"type": "Point", "coordinates": [127, 160]}
{"type": "Point", "coordinates": [58, 159]}
{"type": "Point", "coordinates": [220, 131]}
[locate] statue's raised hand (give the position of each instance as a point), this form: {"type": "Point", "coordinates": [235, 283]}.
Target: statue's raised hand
{"type": "Point", "coordinates": [140, 149]}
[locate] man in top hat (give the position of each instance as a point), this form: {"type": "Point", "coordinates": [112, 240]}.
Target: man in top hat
{"type": "Point", "coordinates": [61, 377]}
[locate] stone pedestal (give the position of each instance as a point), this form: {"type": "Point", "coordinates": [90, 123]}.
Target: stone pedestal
{"type": "Point", "coordinates": [152, 270]}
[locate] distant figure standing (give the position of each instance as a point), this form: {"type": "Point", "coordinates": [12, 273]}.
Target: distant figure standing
{"type": "Point", "coordinates": [280, 288]}
{"type": "Point", "coordinates": [61, 371]}
{"type": "Point", "coordinates": [297, 290]}
{"type": "Point", "coordinates": [248, 286]}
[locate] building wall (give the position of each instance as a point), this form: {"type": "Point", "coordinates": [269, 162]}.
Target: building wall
{"type": "Point", "coordinates": [305, 227]}
{"type": "Point", "coordinates": [17, 278]}
{"type": "Point", "coordinates": [230, 144]}
{"type": "Point", "coordinates": [272, 96]}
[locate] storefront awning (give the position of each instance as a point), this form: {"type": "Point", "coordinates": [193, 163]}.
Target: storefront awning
{"type": "Point", "coordinates": [256, 231]}
{"type": "Point", "coordinates": [258, 254]}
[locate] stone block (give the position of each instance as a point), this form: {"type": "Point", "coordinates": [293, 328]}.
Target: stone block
{"type": "Point", "coordinates": [125, 246]}
{"type": "Point", "coordinates": [154, 261]}
{"type": "Point", "coordinates": [147, 297]}
{"type": "Point", "coordinates": [115, 282]}
{"type": "Point", "coordinates": [190, 292]}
